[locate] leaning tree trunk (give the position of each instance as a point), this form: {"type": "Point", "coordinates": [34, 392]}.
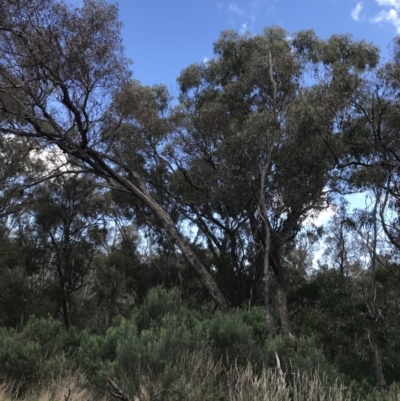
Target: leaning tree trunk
{"type": "Point", "coordinates": [139, 190]}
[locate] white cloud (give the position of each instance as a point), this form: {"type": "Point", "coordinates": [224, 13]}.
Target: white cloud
{"type": "Point", "coordinates": [234, 8]}
{"type": "Point", "coordinates": [390, 15]}
{"type": "Point", "coordinates": [355, 12]}
{"type": "Point", "coordinates": [319, 218]}
{"type": "Point", "coordinates": [389, 3]}
{"type": "Point", "coordinates": [220, 6]}
{"type": "Point", "coordinates": [248, 12]}
{"type": "Point", "coordinates": [53, 158]}
{"type": "Point", "coordinates": [205, 60]}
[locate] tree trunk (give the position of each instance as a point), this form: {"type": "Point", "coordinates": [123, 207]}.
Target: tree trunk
{"type": "Point", "coordinates": [203, 275]}
{"type": "Point", "coordinates": [281, 297]}
{"type": "Point", "coordinates": [65, 312]}
{"type": "Point", "coordinates": [64, 301]}
{"type": "Point", "coordinates": [267, 251]}
{"type": "Point", "coordinates": [373, 317]}
{"type": "Point", "coordinates": [281, 305]}
{"type": "Point", "coordinates": [262, 210]}
{"type": "Point", "coordinates": [267, 285]}
{"type": "Point", "coordinates": [205, 278]}
{"type": "Point", "coordinates": [380, 381]}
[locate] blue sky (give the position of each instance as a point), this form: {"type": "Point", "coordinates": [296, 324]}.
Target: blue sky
{"type": "Point", "coordinates": [164, 36]}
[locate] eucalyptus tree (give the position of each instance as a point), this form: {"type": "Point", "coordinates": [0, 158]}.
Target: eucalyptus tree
{"type": "Point", "coordinates": [370, 163]}
{"type": "Point", "coordinates": [258, 126]}
{"type": "Point", "coordinates": [66, 216]}
{"type": "Point", "coordinates": [378, 108]}
{"type": "Point", "coordinates": [59, 71]}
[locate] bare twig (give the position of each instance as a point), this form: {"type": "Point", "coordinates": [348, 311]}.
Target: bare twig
{"type": "Point", "coordinates": [66, 397]}
{"type": "Point", "coordinates": [282, 377]}
{"type": "Point", "coordinates": [114, 390]}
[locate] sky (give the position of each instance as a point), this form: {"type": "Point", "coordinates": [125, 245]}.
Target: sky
{"type": "Point", "coordinates": [162, 37]}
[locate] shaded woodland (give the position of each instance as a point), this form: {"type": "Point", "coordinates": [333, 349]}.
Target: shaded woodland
{"type": "Point", "coordinates": [138, 230]}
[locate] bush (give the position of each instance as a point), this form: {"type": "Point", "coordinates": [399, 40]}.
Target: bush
{"type": "Point", "coordinates": [300, 356]}
{"type": "Point", "coordinates": [160, 303]}
{"type": "Point", "coordinates": [35, 353]}
{"type": "Point", "coordinates": [232, 339]}
{"type": "Point", "coordinates": [19, 360]}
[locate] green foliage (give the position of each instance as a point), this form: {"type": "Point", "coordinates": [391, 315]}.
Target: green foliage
{"type": "Point", "coordinates": [259, 134]}
{"type": "Point", "coordinates": [151, 345]}
{"type": "Point", "coordinates": [232, 339]}
{"type": "Point", "coordinates": [180, 352]}
{"type": "Point", "coordinates": [163, 329]}
{"type": "Point", "coordinates": [48, 334]}
{"type": "Point", "coordinates": [34, 351]}
{"type": "Point", "coordinates": [12, 301]}
{"type": "Point", "coordinates": [19, 360]}
{"type": "Point", "coordinates": [162, 332]}
{"type": "Point", "coordinates": [152, 352]}
{"type": "Point", "coordinates": [301, 355]}
{"type": "Point", "coordinates": [254, 318]}
{"type": "Point", "coordinates": [156, 306]}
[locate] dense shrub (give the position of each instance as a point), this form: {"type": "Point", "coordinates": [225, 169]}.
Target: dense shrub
{"type": "Point", "coordinates": [37, 352]}
{"type": "Point", "coordinates": [168, 348]}
{"type": "Point", "coordinates": [232, 339]}
{"type": "Point", "coordinates": [160, 303]}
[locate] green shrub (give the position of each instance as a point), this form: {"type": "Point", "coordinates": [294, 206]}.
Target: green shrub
{"type": "Point", "coordinates": [34, 353]}
{"type": "Point", "coordinates": [49, 334]}
{"type": "Point", "coordinates": [19, 360]}
{"type": "Point", "coordinates": [300, 356]}
{"type": "Point", "coordinates": [157, 304]}
{"type": "Point", "coordinates": [136, 357]}
{"type": "Point", "coordinates": [152, 350]}
{"type": "Point", "coordinates": [255, 318]}
{"type": "Point", "coordinates": [232, 339]}
{"type": "Point", "coordinates": [160, 303]}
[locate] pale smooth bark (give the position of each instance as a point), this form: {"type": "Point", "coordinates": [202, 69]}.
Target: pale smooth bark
{"type": "Point", "coordinates": [373, 310]}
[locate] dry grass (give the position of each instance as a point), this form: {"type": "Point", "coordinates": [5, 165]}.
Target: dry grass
{"type": "Point", "coordinates": [200, 378]}
{"type": "Point", "coordinates": [203, 383]}
{"type": "Point", "coordinates": [197, 377]}
{"type": "Point", "coordinates": [66, 389]}
{"type": "Point", "coordinates": [244, 385]}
